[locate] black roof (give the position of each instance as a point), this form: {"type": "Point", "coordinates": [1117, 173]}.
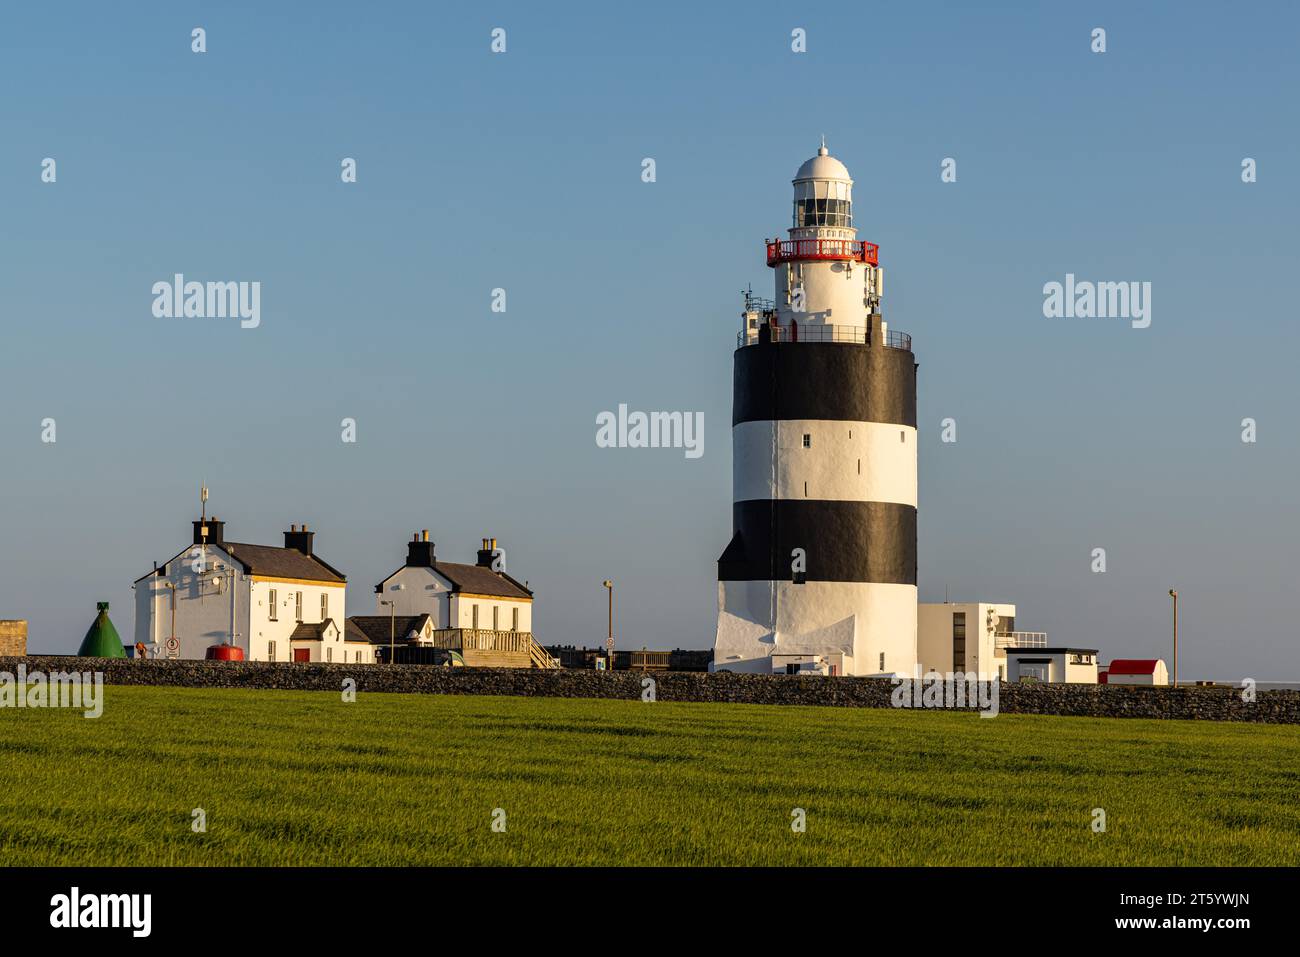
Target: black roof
{"type": "Point", "coordinates": [311, 631]}
{"type": "Point", "coordinates": [474, 579]}
{"type": "Point", "coordinates": [377, 629]}
{"type": "Point", "coordinates": [281, 562]}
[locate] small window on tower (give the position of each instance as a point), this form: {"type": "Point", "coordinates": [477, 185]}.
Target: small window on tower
{"type": "Point", "coordinates": [807, 440]}
{"type": "Point", "coordinates": [902, 435]}
{"type": "Point", "coordinates": [882, 661]}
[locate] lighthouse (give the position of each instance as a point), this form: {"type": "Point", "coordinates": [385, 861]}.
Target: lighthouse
{"type": "Point", "coordinates": [820, 572]}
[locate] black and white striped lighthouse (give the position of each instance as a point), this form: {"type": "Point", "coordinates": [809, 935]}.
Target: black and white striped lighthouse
{"type": "Point", "coordinates": [820, 573]}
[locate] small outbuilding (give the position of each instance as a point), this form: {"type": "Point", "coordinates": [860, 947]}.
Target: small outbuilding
{"type": "Point", "coordinates": [1136, 671]}
{"type": "Point", "coordinates": [1063, 665]}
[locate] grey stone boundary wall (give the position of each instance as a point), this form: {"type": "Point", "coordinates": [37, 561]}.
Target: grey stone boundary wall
{"type": "Point", "coordinates": [1094, 701]}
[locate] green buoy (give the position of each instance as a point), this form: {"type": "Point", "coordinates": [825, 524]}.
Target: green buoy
{"type": "Point", "coordinates": [101, 639]}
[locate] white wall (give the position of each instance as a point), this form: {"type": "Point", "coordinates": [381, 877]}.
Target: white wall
{"type": "Point", "coordinates": [462, 612]}
{"type": "Point", "coordinates": [208, 612]}
{"type": "Point", "coordinates": [855, 620]}
{"type": "Point", "coordinates": [264, 630]}
{"type": "Point", "coordinates": [834, 292]}
{"type": "Point", "coordinates": [845, 461]}
{"type": "Point", "coordinates": [417, 591]}
{"type": "Point", "coordinates": [935, 643]}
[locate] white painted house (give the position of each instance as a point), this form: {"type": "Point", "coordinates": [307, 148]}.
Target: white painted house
{"type": "Point", "coordinates": [480, 596]}
{"type": "Point", "coordinates": [275, 604]}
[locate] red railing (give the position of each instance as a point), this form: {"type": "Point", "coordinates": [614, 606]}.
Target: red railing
{"type": "Point", "coordinates": [790, 250]}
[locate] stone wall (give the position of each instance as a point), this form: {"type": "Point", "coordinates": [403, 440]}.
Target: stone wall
{"type": "Point", "coordinates": [13, 637]}
{"type": "Point", "coordinates": [1101, 701]}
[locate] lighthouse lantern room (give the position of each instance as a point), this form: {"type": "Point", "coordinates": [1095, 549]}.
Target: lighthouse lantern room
{"type": "Point", "coordinates": [820, 573]}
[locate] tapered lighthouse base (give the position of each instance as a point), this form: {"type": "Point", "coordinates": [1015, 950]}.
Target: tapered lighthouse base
{"type": "Point", "coordinates": [843, 628]}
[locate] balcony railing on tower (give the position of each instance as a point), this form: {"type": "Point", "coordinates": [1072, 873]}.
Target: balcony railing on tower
{"type": "Point", "coordinates": [820, 333]}
{"type": "Point", "coordinates": [847, 250]}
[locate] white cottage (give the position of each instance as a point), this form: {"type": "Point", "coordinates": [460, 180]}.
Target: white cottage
{"type": "Point", "coordinates": [480, 596]}
{"type": "Point", "coordinates": [275, 604]}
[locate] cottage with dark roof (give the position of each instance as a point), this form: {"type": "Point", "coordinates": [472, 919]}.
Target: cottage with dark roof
{"type": "Point", "coordinates": [480, 596]}
{"type": "Point", "coordinates": [479, 611]}
{"type": "Point", "coordinates": [273, 604]}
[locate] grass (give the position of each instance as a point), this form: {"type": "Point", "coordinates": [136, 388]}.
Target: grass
{"type": "Point", "coordinates": [304, 778]}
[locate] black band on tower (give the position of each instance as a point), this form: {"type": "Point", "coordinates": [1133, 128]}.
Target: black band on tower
{"type": "Point", "coordinates": [824, 380]}
{"type": "Point", "coordinates": [843, 541]}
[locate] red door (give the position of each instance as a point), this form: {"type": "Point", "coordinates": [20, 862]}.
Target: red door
{"type": "Point", "coordinates": [302, 654]}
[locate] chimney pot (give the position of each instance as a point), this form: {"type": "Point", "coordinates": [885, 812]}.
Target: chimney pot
{"type": "Point", "coordinates": [424, 535]}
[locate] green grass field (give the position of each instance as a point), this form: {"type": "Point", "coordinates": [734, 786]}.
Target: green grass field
{"type": "Point", "coordinates": [304, 778]}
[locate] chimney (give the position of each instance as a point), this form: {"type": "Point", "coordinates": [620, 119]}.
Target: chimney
{"type": "Point", "coordinates": [419, 551]}
{"type": "Point", "coordinates": [300, 540]}
{"type": "Point", "coordinates": [485, 553]}
{"type": "Point", "coordinates": [212, 532]}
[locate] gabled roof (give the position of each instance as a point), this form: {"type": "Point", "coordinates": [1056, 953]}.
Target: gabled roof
{"type": "Point", "coordinates": [311, 631]}
{"type": "Point", "coordinates": [1133, 666]}
{"type": "Point", "coordinates": [267, 560]}
{"type": "Point", "coordinates": [380, 629]}
{"type": "Point", "coordinates": [473, 579]}
{"type": "Point", "coordinates": [275, 562]}
{"type": "Point", "coordinates": [478, 580]}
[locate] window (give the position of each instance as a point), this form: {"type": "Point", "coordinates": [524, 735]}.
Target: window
{"type": "Point", "coordinates": [882, 661]}
{"type": "Point", "coordinates": [819, 203]}
{"type": "Point", "coordinates": [494, 618]}
{"type": "Point", "coordinates": [859, 466]}
{"type": "Point", "coordinates": [792, 669]}
{"type": "Point", "coordinates": [807, 440]}
{"type": "Point", "coordinates": [958, 641]}
{"type": "Point", "coordinates": [902, 436]}
{"type": "Point", "coordinates": [270, 651]}
{"type": "Point", "coordinates": [474, 616]}
{"type": "Point", "coordinates": [329, 654]}
{"type": "Point", "coordinates": [514, 619]}
{"type": "Point", "coordinates": [324, 606]}
{"type": "Point", "coordinates": [297, 606]}
{"type": "Point", "coordinates": [273, 601]}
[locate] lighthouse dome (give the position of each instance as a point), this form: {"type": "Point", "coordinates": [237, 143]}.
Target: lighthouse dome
{"type": "Point", "coordinates": [823, 166]}
{"type": "Point", "coordinates": [823, 193]}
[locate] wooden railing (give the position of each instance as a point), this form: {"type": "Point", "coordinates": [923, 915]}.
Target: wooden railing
{"type": "Point", "coordinates": [485, 639]}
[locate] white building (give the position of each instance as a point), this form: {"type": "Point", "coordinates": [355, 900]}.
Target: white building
{"type": "Point", "coordinates": [1060, 665]}
{"type": "Point", "coordinates": [480, 596]}
{"type": "Point", "coordinates": [967, 637]}
{"type": "Point", "coordinates": [820, 572]}
{"type": "Point", "coordinates": [275, 604]}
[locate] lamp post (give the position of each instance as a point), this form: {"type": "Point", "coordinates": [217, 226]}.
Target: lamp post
{"type": "Point", "coordinates": [1173, 593]}
{"type": "Point", "coordinates": [392, 629]}
{"type": "Point", "coordinates": [609, 641]}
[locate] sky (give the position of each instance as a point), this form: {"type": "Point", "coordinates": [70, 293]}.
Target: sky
{"type": "Point", "coordinates": [522, 171]}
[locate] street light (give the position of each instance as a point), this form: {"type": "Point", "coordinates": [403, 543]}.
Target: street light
{"type": "Point", "coordinates": [609, 641]}
{"type": "Point", "coordinates": [1174, 595]}
{"type": "Point", "coordinates": [392, 629]}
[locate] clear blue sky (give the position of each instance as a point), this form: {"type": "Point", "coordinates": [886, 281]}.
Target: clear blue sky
{"type": "Point", "coordinates": [522, 171]}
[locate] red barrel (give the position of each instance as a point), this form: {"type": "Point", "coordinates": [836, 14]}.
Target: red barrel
{"type": "Point", "coordinates": [225, 653]}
